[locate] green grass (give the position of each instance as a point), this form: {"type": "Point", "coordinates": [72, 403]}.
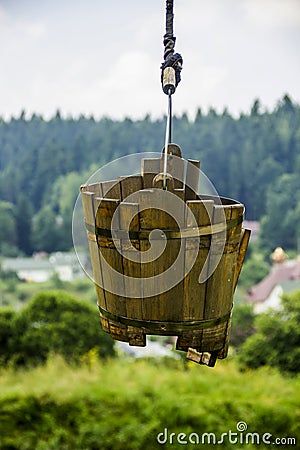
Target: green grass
{"type": "Point", "coordinates": [124, 404]}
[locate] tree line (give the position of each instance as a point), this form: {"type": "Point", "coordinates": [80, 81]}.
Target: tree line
{"type": "Point", "coordinates": [254, 158]}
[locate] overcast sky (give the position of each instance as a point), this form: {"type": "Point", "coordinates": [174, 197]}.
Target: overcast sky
{"type": "Point", "coordinates": [103, 57]}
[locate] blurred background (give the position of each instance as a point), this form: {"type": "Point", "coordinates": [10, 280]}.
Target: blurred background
{"type": "Point", "coordinates": [79, 88]}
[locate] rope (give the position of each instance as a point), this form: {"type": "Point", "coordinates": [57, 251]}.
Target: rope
{"type": "Point", "coordinates": [171, 59]}
{"type": "Point", "coordinates": [170, 77]}
{"type": "Point", "coordinates": [169, 39]}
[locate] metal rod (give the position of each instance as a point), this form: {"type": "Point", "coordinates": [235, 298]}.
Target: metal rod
{"type": "Point", "coordinates": [167, 139]}
{"type": "Point", "coordinates": [170, 115]}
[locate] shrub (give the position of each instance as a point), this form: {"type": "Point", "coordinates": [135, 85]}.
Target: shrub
{"type": "Point", "coordinates": [277, 341]}
{"type": "Point", "coordinates": [242, 323]}
{"type": "Point", "coordinates": [56, 322]}
{"type": "Point", "coordinates": [6, 333]}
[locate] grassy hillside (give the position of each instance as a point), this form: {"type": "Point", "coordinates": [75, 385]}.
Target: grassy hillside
{"type": "Point", "coordinates": [124, 404]}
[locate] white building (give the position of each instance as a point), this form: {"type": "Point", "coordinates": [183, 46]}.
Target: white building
{"type": "Point", "coordinates": [41, 268]}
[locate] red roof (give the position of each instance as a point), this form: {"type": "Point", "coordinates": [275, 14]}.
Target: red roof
{"type": "Point", "coordinates": [289, 270]}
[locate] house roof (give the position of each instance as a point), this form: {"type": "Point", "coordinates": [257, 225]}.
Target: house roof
{"type": "Point", "coordinates": [16, 264]}
{"type": "Point", "coordinates": [287, 271]}
{"type": "Point", "coordinates": [40, 263]}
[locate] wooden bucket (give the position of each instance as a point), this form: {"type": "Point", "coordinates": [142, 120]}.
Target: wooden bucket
{"type": "Point", "coordinates": [199, 313]}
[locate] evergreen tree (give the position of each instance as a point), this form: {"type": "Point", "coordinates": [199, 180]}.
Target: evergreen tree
{"type": "Point", "coordinates": [44, 230]}
{"type": "Point", "coordinates": [24, 216]}
{"type": "Point", "coordinates": [8, 231]}
{"type": "Point", "coordinates": [280, 224]}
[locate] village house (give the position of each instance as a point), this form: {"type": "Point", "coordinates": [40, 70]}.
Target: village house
{"type": "Point", "coordinates": [284, 277]}
{"type": "Point", "coordinates": [42, 267]}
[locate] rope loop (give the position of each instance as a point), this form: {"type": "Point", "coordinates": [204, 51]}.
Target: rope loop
{"type": "Point", "coordinates": [171, 59]}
